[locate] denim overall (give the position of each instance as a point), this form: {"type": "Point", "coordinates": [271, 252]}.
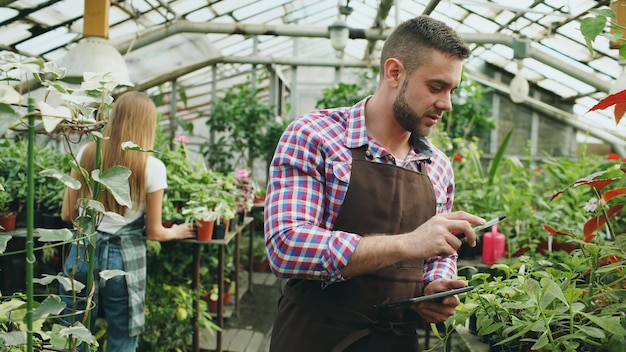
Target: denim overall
{"type": "Point", "coordinates": [112, 295]}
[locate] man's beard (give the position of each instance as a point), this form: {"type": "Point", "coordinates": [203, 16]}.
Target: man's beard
{"type": "Point", "coordinates": [407, 117]}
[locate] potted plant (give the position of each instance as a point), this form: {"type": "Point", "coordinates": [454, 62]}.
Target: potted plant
{"type": "Point", "coordinates": [7, 217]}
{"type": "Point", "coordinates": [169, 317]}
{"type": "Point", "coordinates": [224, 211]}
{"type": "Point", "coordinates": [239, 128]}
{"type": "Point", "coordinates": [13, 173]}
{"type": "Point", "coordinates": [246, 189]}
{"type": "Point", "coordinates": [171, 214]}
{"type": "Point", "coordinates": [84, 109]}
{"type": "Point", "coordinates": [202, 216]}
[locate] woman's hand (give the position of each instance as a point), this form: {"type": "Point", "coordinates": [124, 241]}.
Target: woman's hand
{"type": "Point", "coordinates": [182, 231]}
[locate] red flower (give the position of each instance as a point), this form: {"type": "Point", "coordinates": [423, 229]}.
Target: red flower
{"type": "Point", "coordinates": [458, 157]}
{"type": "Point", "coordinates": [613, 156]}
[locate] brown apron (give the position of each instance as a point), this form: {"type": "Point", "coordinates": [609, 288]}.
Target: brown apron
{"type": "Point", "coordinates": [381, 198]}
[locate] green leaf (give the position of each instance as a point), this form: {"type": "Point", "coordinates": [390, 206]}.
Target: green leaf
{"type": "Point", "coordinates": [132, 146]}
{"type": "Point", "coordinates": [68, 180]}
{"type": "Point", "coordinates": [554, 290]}
{"type": "Point", "coordinates": [614, 37]}
{"type": "Point", "coordinates": [541, 342]}
{"type": "Point", "coordinates": [591, 331]}
{"type": "Point", "coordinates": [609, 13]}
{"type": "Point", "coordinates": [13, 338]}
{"type": "Point", "coordinates": [109, 274]}
{"type": "Point", "coordinates": [493, 169]}
{"type": "Point", "coordinates": [46, 279]}
{"type": "Point", "coordinates": [115, 180]}
{"type": "Point", "coordinates": [8, 118]}
{"type": "Point", "coordinates": [591, 27]}
{"type": "Point", "coordinates": [92, 204]}
{"type": "Point", "coordinates": [51, 116]}
{"type": "Point", "coordinates": [54, 235]}
{"type": "Point", "coordinates": [51, 305]}
{"type": "Point", "coordinates": [67, 283]}
{"type": "Point", "coordinates": [9, 96]}
{"type": "Point", "coordinates": [4, 239]}
{"type": "Point", "coordinates": [610, 324]}
{"type": "Point", "coordinates": [79, 332]}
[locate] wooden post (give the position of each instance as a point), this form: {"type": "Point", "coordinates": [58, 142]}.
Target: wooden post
{"type": "Point", "coordinates": [96, 18]}
{"type": "Point", "coordinates": [619, 7]}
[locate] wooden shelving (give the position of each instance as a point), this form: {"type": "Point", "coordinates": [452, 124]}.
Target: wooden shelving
{"type": "Point", "coordinates": [222, 313]}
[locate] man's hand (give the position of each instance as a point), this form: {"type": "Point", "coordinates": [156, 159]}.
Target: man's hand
{"type": "Point", "coordinates": [439, 311]}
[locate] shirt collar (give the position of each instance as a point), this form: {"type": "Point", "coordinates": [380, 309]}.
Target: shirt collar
{"type": "Point", "coordinates": [356, 133]}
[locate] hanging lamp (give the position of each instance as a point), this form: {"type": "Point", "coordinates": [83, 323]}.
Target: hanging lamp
{"type": "Point", "coordinates": [519, 88]}
{"type": "Point", "coordinates": [94, 53]}
{"type": "Point", "coordinates": [339, 32]}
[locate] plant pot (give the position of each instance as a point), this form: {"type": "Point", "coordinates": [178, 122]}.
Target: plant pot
{"type": "Point", "coordinates": [212, 306]}
{"type": "Point", "coordinates": [241, 216]}
{"type": "Point", "coordinates": [219, 231]}
{"type": "Point", "coordinates": [259, 199]}
{"type": "Point", "coordinates": [52, 221]}
{"type": "Point", "coordinates": [204, 230]}
{"type": "Point", "coordinates": [7, 221]}
{"type": "Point", "coordinates": [234, 222]}
{"type": "Point", "coordinates": [261, 266]}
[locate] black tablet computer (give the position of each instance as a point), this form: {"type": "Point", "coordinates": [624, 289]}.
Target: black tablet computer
{"type": "Point", "coordinates": [434, 296]}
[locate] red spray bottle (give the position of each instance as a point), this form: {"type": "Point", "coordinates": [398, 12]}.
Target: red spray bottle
{"type": "Point", "coordinates": [493, 246]}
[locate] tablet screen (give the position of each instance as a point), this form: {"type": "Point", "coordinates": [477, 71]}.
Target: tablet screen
{"type": "Point", "coordinates": [434, 296]}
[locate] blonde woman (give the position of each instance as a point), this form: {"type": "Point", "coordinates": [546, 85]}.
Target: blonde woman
{"type": "Point", "coordinates": [121, 244]}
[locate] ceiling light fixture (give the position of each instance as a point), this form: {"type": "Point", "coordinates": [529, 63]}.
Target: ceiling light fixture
{"type": "Point", "coordinates": [339, 30]}
{"type": "Point", "coordinates": [94, 53]}
{"type": "Point", "coordinates": [519, 88]}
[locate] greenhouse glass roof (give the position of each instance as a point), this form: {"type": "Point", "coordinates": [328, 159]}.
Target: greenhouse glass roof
{"type": "Point", "coordinates": [166, 40]}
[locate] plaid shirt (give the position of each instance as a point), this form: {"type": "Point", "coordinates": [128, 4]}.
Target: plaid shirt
{"type": "Point", "coordinates": [307, 183]}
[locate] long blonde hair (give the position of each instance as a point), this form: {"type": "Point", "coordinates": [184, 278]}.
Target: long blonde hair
{"type": "Point", "coordinates": [133, 118]}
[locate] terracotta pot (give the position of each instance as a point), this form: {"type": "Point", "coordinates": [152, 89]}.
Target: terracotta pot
{"type": "Point", "coordinates": [205, 230]}
{"type": "Point", "coordinates": [212, 305]}
{"type": "Point", "coordinates": [261, 266]}
{"type": "Point", "coordinates": [7, 221]}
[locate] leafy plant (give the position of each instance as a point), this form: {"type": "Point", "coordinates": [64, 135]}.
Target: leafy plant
{"type": "Point", "coordinates": [348, 94]}
{"type": "Point", "coordinates": [5, 200]}
{"type": "Point", "coordinates": [239, 128]}
{"type": "Point", "coordinates": [84, 111]}
{"type": "Point", "coordinates": [169, 313]}
{"type": "Point", "coordinates": [471, 114]}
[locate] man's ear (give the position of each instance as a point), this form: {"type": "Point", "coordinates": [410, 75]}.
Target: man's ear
{"type": "Point", "coordinates": [393, 72]}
